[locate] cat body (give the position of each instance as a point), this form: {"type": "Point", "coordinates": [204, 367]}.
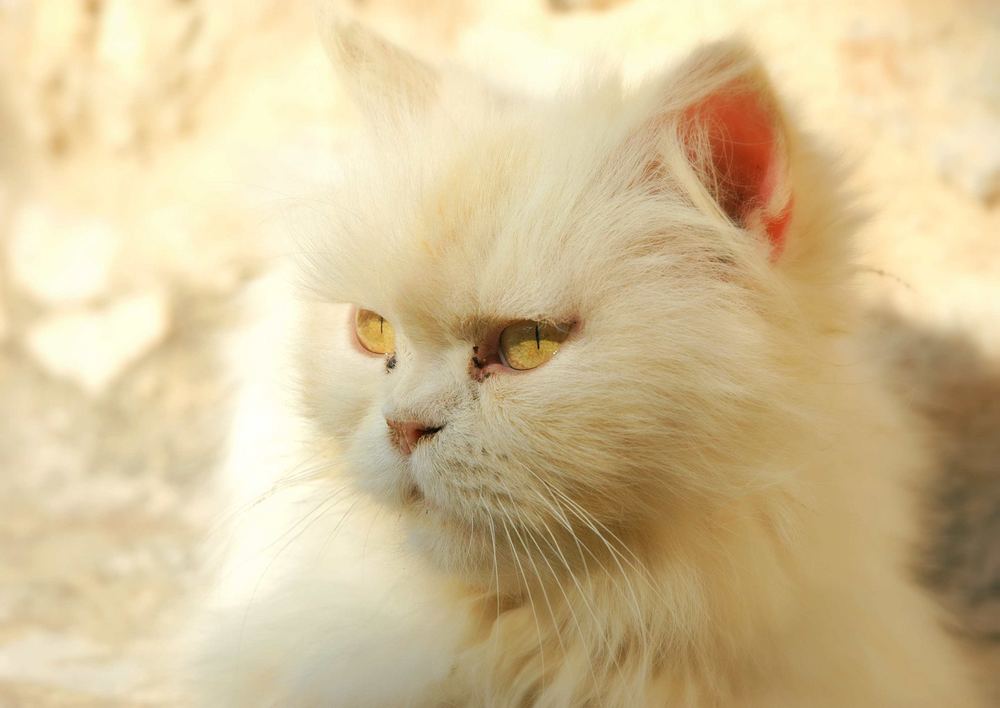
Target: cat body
{"type": "Point", "coordinates": [704, 498]}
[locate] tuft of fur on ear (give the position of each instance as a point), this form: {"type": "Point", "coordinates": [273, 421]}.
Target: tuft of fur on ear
{"type": "Point", "coordinates": [730, 127]}
{"type": "Point", "coordinates": [389, 84]}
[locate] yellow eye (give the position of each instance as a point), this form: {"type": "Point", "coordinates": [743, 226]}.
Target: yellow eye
{"type": "Point", "coordinates": [374, 332]}
{"type": "Point", "coordinates": [525, 345]}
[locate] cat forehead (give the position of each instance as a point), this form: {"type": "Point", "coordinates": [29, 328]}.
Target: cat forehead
{"type": "Point", "coordinates": [498, 212]}
{"type": "Point", "coordinates": [475, 215]}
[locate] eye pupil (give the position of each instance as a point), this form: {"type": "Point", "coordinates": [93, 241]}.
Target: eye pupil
{"type": "Point", "coordinates": [538, 338]}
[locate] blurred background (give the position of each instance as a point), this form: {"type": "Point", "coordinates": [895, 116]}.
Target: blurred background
{"type": "Point", "coordinates": [149, 147]}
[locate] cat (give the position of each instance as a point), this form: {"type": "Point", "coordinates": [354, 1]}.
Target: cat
{"type": "Point", "coordinates": [573, 413]}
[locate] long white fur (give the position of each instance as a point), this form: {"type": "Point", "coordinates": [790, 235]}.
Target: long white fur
{"type": "Point", "coordinates": [703, 500]}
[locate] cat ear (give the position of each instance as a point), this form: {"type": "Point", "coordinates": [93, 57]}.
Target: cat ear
{"type": "Point", "coordinates": [388, 84]}
{"type": "Point", "coordinates": [731, 132]}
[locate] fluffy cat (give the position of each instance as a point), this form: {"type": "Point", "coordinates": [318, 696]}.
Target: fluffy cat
{"type": "Point", "coordinates": [696, 493]}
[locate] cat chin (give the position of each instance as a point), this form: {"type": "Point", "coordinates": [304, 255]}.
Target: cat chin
{"type": "Point", "coordinates": [469, 560]}
{"type": "Point", "coordinates": [480, 554]}
{"type": "Point", "coordinates": [457, 548]}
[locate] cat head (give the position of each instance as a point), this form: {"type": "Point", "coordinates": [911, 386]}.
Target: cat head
{"type": "Point", "coordinates": [547, 326]}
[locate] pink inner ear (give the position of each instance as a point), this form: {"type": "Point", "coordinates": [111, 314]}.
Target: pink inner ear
{"type": "Point", "coordinates": [749, 162]}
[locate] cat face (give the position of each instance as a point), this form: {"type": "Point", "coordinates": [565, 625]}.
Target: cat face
{"type": "Point", "coordinates": [472, 221]}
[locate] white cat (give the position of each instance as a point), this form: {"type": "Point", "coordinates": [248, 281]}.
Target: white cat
{"type": "Point", "coordinates": [574, 416]}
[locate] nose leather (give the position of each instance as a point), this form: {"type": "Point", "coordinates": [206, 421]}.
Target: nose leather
{"type": "Point", "coordinates": [407, 433]}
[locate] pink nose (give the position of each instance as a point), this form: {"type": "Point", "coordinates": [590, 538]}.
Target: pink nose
{"type": "Point", "coordinates": [407, 433]}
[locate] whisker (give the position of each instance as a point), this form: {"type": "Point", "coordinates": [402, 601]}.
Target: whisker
{"type": "Point", "coordinates": [496, 572]}
{"type": "Point", "coordinates": [340, 523]}
{"type": "Point", "coordinates": [311, 518]}
{"type": "Point", "coordinates": [541, 583]}
{"type": "Point", "coordinates": [615, 555]}
{"type": "Point", "coordinates": [559, 513]}
{"type": "Point", "coordinates": [531, 601]}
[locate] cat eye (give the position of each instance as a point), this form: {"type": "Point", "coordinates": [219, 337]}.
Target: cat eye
{"type": "Point", "coordinates": [374, 333]}
{"type": "Point", "coordinates": [526, 345]}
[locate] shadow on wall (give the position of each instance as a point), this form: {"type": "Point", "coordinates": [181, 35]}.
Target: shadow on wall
{"type": "Point", "coordinates": [946, 377]}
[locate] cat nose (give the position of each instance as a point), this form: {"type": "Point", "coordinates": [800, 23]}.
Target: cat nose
{"type": "Point", "coordinates": [407, 433]}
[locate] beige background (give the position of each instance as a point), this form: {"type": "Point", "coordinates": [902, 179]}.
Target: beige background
{"type": "Point", "coordinates": [148, 149]}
